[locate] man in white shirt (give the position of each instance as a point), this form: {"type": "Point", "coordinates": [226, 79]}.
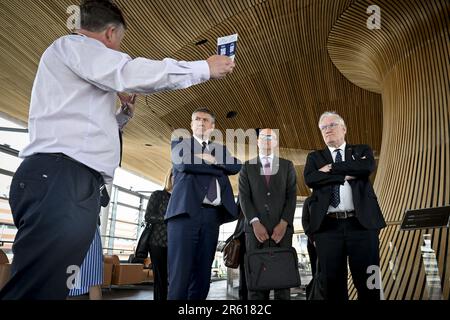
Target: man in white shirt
{"type": "Point", "coordinates": [74, 145]}
{"type": "Point", "coordinates": [268, 196]}
{"type": "Point", "coordinates": [344, 215]}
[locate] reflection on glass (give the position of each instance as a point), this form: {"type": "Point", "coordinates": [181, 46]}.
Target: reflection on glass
{"type": "Point", "coordinates": [433, 280]}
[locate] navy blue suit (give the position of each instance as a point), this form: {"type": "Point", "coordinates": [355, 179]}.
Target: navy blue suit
{"type": "Point", "coordinates": [192, 228]}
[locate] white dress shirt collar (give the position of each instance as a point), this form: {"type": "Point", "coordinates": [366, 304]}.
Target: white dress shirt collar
{"type": "Point", "coordinates": [269, 157]}
{"type": "Point", "coordinates": [341, 147]}
{"type": "Point", "coordinates": [263, 156]}
{"type": "Point", "coordinates": [201, 140]}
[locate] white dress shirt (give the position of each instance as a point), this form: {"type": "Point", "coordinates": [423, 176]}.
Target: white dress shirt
{"type": "Point", "coordinates": [73, 101]}
{"type": "Point", "coordinates": [263, 158]}
{"type": "Point", "coordinates": [345, 191]}
{"type": "Point", "coordinates": [218, 200]}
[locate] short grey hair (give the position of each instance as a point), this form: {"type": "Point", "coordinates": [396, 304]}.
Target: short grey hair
{"type": "Point", "coordinates": [332, 114]}
{"type": "Point", "coordinates": [204, 110]}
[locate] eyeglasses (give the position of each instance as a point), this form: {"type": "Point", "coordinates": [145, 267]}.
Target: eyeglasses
{"type": "Point", "coordinates": [263, 137]}
{"type": "Point", "coordinates": [330, 126]}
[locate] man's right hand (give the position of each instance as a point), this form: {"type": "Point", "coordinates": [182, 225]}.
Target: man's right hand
{"type": "Point", "coordinates": [220, 66]}
{"type": "Point", "coordinates": [260, 231]}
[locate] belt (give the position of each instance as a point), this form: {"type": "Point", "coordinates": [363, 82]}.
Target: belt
{"type": "Point", "coordinates": [96, 174]}
{"type": "Point", "coordinates": [104, 196]}
{"type": "Point", "coordinates": [209, 206]}
{"type": "Point", "coordinates": [342, 214]}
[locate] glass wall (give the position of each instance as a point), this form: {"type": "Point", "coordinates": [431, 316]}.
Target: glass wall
{"type": "Point", "coordinates": [125, 222]}
{"type": "Point", "coordinates": [12, 138]}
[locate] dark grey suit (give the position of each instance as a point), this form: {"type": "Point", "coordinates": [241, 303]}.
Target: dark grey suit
{"type": "Point", "coordinates": [270, 204]}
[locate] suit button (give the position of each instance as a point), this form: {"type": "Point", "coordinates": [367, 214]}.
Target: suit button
{"type": "Point", "coordinates": [268, 194]}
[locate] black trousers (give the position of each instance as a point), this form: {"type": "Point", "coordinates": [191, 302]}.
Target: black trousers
{"type": "Point", "coordinates": [338, 240]}
{"type": "Point", "coordinates": [243, 291]}
{"type": "Point", "coordinates": [158, 255]}
{"type": "Point", "coordinates": [55, 204]}
{"type": "Point", "coordinates": [313, 261]}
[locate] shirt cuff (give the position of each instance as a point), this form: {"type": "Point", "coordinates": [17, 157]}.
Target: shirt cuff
{"type": "Point", "coordinates": [253, 220]}
{"type": "Point", "coordinates": [201, 70]}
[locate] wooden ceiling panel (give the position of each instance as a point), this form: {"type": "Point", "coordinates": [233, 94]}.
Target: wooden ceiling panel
{"type": "Point", "coordinates": [284, 77]}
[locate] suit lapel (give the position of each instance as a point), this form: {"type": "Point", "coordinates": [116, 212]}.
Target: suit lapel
{"type": "Point", "coordinates": [195, 144]}
{"type": "Point", "coordinates": [348, 152]}
{"type": "Point", "coordinates": [260, 172]}
{"type": "Point", "coordinates": [275, 168]}
{"type": "Point", "coordinates": [327, 155]}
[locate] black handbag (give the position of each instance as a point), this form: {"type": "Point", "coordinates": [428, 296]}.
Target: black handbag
{"type": "Point", "coordinates": [271, 268]}
{"type": "Point", "coordinates": [143, 246]}
{"type": "Point", "coordinates": [317, 289]}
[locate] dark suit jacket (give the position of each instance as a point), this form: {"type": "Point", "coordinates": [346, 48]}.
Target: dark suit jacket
{"type": "Point", "coordinates": [306, 217]}
{"type": "Point", "coordinates": [192, 177]}
{"type": "Point", "coordinates": [359, 162]}
{"type": "Point", "coordinates": [269, 204]}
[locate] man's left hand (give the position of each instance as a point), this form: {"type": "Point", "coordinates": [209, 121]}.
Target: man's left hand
{"type": "Point", "coordinates": [279, 231]}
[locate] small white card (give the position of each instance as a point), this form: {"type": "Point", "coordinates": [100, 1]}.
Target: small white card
{"type": "Point", "coordinates": [226, 46]}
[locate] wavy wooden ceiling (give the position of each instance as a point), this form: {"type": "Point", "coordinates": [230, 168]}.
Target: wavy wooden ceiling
{"type": "Point", "coordinates": [407, 61]}
{"type": "Point", "coordinates": [284, 77]}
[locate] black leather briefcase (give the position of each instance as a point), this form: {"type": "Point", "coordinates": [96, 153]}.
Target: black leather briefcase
{"type": "Point", "coordinates": [271, 268]}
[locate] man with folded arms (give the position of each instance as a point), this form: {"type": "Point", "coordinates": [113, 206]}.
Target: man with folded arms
{"type": "Point", "coordinates": [345, 217]}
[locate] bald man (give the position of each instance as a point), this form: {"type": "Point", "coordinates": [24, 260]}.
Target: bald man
{"type": "Point", "coordinates": [267, 193]}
